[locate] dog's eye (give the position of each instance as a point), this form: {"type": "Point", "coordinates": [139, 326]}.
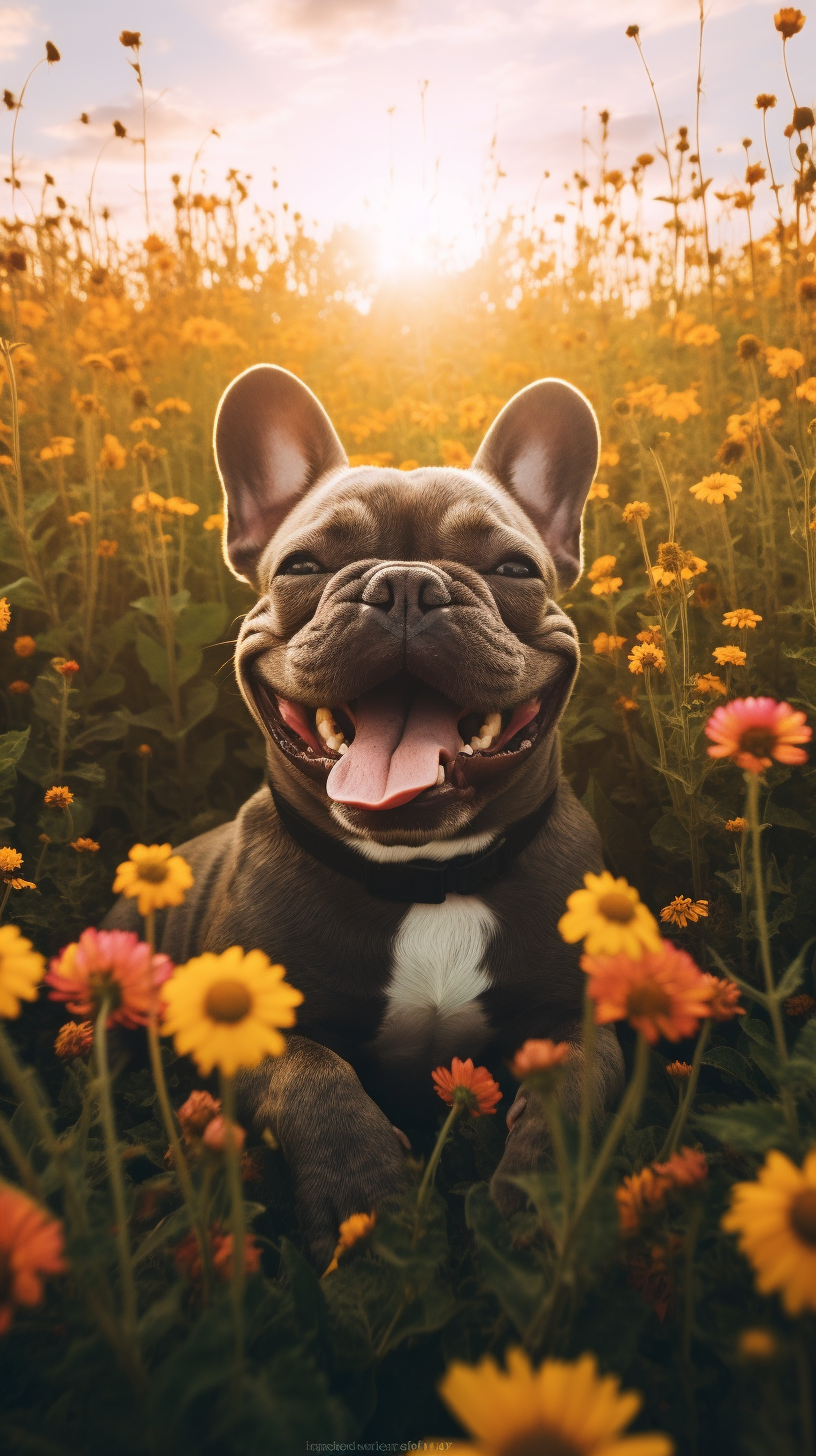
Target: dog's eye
{"type": "Point", "coordinates": [517, 569]}
{"type": "Point", "coordinates": [301, 566]}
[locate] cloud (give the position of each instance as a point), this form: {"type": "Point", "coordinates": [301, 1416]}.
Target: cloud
{"type": "Point", "coordinates": [330, 27]}
{"type": "Point", "coordinates": [18, 26]}
{"type": "Point", "coordinates": [654, 16]}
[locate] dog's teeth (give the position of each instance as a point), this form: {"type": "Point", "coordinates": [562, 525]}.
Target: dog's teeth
{"type": "Point", "coordinates": [440, 774]}
{"type": "Point", "coordinates": [343, 749]}
{"type": "Point", "coordinates": [323, 715]}
{"type": "Point", "coordinates": [525, 743]}
{"type": "Point", "coordinates": [335, 742]}
{"type": "Point", "coordinates": [325, 729]}
{"type": "Point", "coordinates": [468, 749]}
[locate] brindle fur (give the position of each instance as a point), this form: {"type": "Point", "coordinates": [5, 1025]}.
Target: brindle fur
{"type": "Point", "coordinates": [496, 642]}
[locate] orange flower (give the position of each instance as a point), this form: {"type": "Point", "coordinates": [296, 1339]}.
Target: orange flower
{"type": "Point", "coordinates": [683, 909]}
{"type": "Point", "coordinates": [19, 687]}
{"type": "Point", "coordinates": [352, 1230]}
{"type": "Point", "coordinates": [188, 1257]}
{"type": "Point", "coordinates": [472, 1087]}
{"type": "Point", "coordinates": [647, 655]}
{"type": "Point", "coordinates": [196, 1114]}
{"type": "Point", "coordinates": [85, 846]}
{"type": "Point", "coordinates": [753, 731]}
{"type": "Point", "coordinates": [66, 669]}
{"type": "Point", "coordinates": [729, 654]}
{"type": "Point", "coordinates": [686, 1169]}
{"type": "Point", "coordinates": [219, 1132]}
{"type": "Point", "coordinates": [789, 21]}
{"type": "Point", "coordinates": [31, 1245]}
{"type": "Point", "coordinates": [539, 1056]}
{"type": "Point", "coordinates": [639, 1196]}
{"type": "Point", "coordinates": [800, 1005]}
{"type": "Point", "coordinates": [736, 826]}
{"type": "Point", "coordinates": [707, 684]}
{"type": "Point", "coordinates": [661, 994]}
{"type": "Point", "coordinates": [74, 1039]}
{"type": "Point", "coordinates": [25, 646]}
{"type": "Point", "coordinates": [605, 644]}
{"type": "Point", "coordinates": [678, 1071]}
{"type": "Point", "coordinates": [722, 997]}
{"type": "Point", "coordinates": [58, 797]}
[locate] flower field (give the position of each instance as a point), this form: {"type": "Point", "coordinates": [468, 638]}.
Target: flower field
{"type": "Point", "coordinates": [658, 1291]}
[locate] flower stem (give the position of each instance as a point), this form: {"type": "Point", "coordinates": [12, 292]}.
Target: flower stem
{"type": "Point", "coordinates": [684, 1105]}
{"type": "Point", "coordinates": [4, 901]}
{"type": "Point", "coordinates": [114, 1162]}
{"type": "Point", "coordinates": [237, 1218]}
{"type": "Point", "coordinates": [433, 1163]}
{"type": "Point", "coordinates": [555, 1124]}
{"type": "Point", "coordinates": [752, 815]}
{"type": "Point", "coordinates": [585, 1124]}
{"type": "Point", "coordinates": [23, 1164]}
{"type": "Point", "coordinates": [180, 1164]}
{"type": "Point", "coordinates": [805, 1394]}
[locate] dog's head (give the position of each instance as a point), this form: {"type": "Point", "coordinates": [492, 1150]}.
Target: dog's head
{"type": "Point", "coordinates": [406, 661]}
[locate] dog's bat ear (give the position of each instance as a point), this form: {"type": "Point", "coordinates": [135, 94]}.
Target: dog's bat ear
{"type": "Point", "coordinates": [273, 440]}
{"type": "Point", "coordinates": [543, 448]}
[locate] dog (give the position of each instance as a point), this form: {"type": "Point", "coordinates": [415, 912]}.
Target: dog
{"type": "Point", "coordinates": [412, 850]}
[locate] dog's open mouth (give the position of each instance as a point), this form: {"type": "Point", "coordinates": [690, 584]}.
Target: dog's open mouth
{"type": "Point", "coordinates": [399, 740]}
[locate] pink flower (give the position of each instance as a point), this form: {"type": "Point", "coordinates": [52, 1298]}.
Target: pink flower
{"type": "Point", "coordinates": [753, 731]}
{"type": "Point", "coordinates": [112, 965]}
{"type": "Point", "coordinates": [219, 1130]}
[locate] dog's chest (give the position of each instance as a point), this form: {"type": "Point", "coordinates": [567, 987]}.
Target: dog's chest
{"type": "Point", "coordinates": [439, 969]}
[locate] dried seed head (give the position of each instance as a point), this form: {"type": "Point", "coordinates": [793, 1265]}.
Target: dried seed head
{"type": "Point", "coordinates": [131, 39]}
{"type": "Point", "coordinates": [119, 130]}
{"type": "Point", "coordinates": [52, 55]}
{"type": "Point", "coordinates": [748, 347]}
{"type": "Point", "coordinates": [802, 118]}
{"type": "Point", "coordinates": [765, 101]}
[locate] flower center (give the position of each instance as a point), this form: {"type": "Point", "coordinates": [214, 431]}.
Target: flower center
{"type": "Point", "coordinates": [153, 871]}
{"type": "Point", "coordinates": [648, 999]}
{"type": "Point", "coordinates": [758, 741]}
{"type": "Point", "coordinates": [540, 1441]}
{"type": "Point", "coordinates": [227, 1001]}
{"type": "Point", "coordinates": [614, 905]}
{"type": "Point", "coordinates": [105, 987]}
{"type": "Point", "coordinates": [803, 1216]}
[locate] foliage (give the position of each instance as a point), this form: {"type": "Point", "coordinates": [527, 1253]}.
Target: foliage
{"type": "Point", "coordinates": [700, 364]}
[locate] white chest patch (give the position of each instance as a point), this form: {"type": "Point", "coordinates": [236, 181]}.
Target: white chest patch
{"type": "Point", "coordinates": [438, 969]}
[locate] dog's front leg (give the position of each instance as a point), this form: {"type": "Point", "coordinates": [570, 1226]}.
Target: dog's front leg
{"type": "Point", "coordinates": [528, 1142]}
{"type": "Point", "coordinates": [343, 1153]}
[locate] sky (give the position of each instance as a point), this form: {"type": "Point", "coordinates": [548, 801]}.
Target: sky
{"type": "Point", "coordinates": [382, 113]}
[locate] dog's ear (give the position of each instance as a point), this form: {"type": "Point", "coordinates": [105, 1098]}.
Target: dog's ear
{"type": "Point", "coordinates": [273, 440]}
{"type": "Point", "coordinates": [543, 448]}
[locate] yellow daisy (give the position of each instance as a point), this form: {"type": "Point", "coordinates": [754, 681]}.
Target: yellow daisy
{"type": "Point", "coordinates": [682, 908]}
{"type": "Point", "coordinates": [21, 970]}
{"type": "Point", "coordinates": [609, 917]}
{"type": "Point", "coordinates": [563, 1407]}
{"type": "Point", "coordinates": [729, 654]}
{"type": "Point", "coordinates": [154, 873]}
{"type": "Point", "coordinates": [775, 1221]}
{"type": "Point", "coordinates": [224, 1010]}
{"type": "Point", "coordinates": [741, 617]}
{"type": "Point", "coordinates": [713, 489]}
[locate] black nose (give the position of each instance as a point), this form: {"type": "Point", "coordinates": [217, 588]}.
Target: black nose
{"type": "Point", "coordinates": [404, 595]}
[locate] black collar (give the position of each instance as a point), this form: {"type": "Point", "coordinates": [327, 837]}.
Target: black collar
{"type": "Point", "coordinates": [416, 881]}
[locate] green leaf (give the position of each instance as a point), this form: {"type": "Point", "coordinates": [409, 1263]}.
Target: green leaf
{"type": "Point", "coordinates": [107, 685]}
{"type": "Point", "coordinates": [795, 973]}
{"type": "Point", "coordinates": [727, 1059]}
{"type": "Point", "coordinates": [620, 837]}
{"type": "Point", "coordinates": [750, 1127]}
{"type": "Point", "coordinates": [23, 593]}
{"type": "Point", "coordinates": [201, 624]}
{"type": "Point", "coordinates": [154, 606]}
{"type": "Point", "coordinates": [99, 730]}
{"type": "Point", "coordinates": [12, 747]}
{"type": "Point", "coordinates": [160, 719]}
{"type": "Point", "coordinates": [514, 1275]}
{"type": "Point", "coordinates": [669, 834]}
{"type": "Point", "coordinates": [787, 818]}
{"type": "Point", "coordinates": [201, 700]}
{"type": "Point", "coordinates": [805, 654]}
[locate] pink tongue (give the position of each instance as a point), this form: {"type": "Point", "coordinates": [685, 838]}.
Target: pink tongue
{"type": "Point", "coordinates": [397, 748]}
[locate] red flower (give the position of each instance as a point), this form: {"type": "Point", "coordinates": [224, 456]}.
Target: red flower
{"type": "Point", "coordinates": [686, 1169]}
{"type": "Point", "coordinates": [188, 1257]}
{"type": "Point", "coordinates": [539, 1056]}
{"type": "Point", "coordinates": [472, 1087]}
{"type": "Point", "coordinates": [753, 731]}
{"type": "Point", "coordinates": [196, 1113]}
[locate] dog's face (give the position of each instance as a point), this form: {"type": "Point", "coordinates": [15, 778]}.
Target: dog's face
{"type": "Point", "coordinates": [406, 659]}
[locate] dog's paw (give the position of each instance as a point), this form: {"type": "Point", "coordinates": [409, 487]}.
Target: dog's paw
{"type": "Point", "coordinates": [528, 1147]}
{"type": "Point", "coordinates": [358, 1169]}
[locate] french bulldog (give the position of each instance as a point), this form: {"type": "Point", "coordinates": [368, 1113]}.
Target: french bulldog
{"type": "Point", "coordinates": [411, 852]}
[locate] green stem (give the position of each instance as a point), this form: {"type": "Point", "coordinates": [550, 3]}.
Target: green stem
{"type": "Point", "coordinates": [180, 1163]}
{"type": "Point", "coordinates": [237, 1218]}
{"type": "Point", "coordinates": [684, 1105]}
{"type": "Point", "coordinates": [433, 1163]}
{"type": "Point", "coordinates": [4, 901]}
{"type": "Point", "coordinates": [752, 815]}
{"type": "Point", "coordinates": [117, 1182]}
{"type": "Point", "coordinates": [25, 1169]}
{"type": "Point", "coordinates": [585, 1124]}
{"type": "Point", "coordinates": [555, 1124]}
{"type": "Point", "coordinates": [805, 1394]}
{"type": "Point", "coordinates": [538, 1330]}
{"type": "Point", "coordinates": [63, 726]}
